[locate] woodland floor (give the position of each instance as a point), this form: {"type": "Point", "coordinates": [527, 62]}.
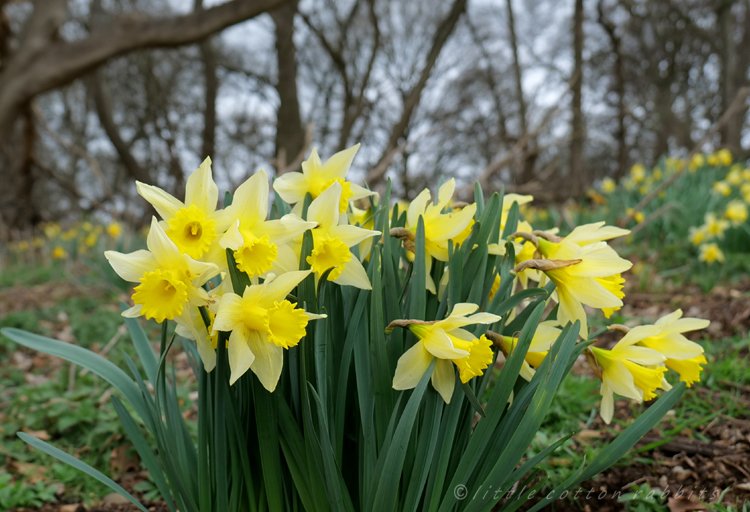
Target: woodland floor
{"type": "Point", "coordinates": [709, 451]}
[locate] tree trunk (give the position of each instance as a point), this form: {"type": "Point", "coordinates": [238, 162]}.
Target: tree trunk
{"type": "Point", "coordinates": [619, 89]}
{"type": "Point", "coordinates": [290, 135]}
{"type": "Point", "coordinates": [731, 132]}
{"type": "Point", "coordinates": [211, 84]}
{"type": "Point", "coordinates": [576, 143]}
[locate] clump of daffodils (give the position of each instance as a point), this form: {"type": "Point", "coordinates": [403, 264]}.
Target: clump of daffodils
{"type": "Point", "coordinates": [229, 277]}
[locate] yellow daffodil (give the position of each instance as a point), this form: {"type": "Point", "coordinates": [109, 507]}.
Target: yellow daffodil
{"type": "Point", "coordinates": [255, 240]}
{"type": "Point", "coordinates": [628, 370]}
{"type": "Point", "coordinates": [637, 173]}
{"type": "Point", "coordinates": [51, 229]}
{"type": "Point", "coordinates": [114, 229]}
{"type": "Point", "coordinates": [316, 177]}
{"type": "Point", "coordinates": [194, 224]}
{"type": "Point", "coordinates": [734, 176]}
{"type": "Point", "coordinates": [590, 273]}
{"type": "Point", "coordinates": [710, 253]}
{"type": "Point", "coordinates": [608, 185]}
{"type": "Point", "coordinates": [546, 334]}
{"type": "Point", "coordinates": [193, 327]}
{"type": "Point", "coordinates": [332, 241]}
{"type": "Point", "coordinates": [724, 157]}
{"type": "Point", "coordinates": [169, 280]}
{"type": "Point", "coordinates": [746, 175]}
{"type": "Point", "coordinates": [715, 227]}
{"type": "Point", "coordinates": [736, 212]}
{"type": "Point", "coordinates": [698, 161]}
{"type": "Point", "coordinates": [363, 219]}
{"type": "Point", "coordinates": [508, 200]}
{"type": "Point", "coordinates": [698, 235]}
{"type": "Point", "coordinates": [262, 323]}
{"type": "Point", "coordinates": [657, 175]}
{"type": "Point", "coordinates": [450, 344]}
{"type": "Point", "coordinates": [59, 253]}
{"type": "Point", "coordinates": [722, 188]}
{"type": "Point", "coordinates": [439, 227]}
{"type": "Point", "coordinates": [638, 216]}
{"type": "Point", "coordinates": [682, 355]}
{"type": "Point", "coordinates": [628, 184]}
{"type": "Point", "coordinates": [712, 160]}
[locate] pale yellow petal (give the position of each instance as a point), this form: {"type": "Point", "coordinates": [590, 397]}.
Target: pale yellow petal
{"type": "Point", "coordinates": [607, 409]}
{"type": "Point", "coordinates": [325, 208]}
{"type": "Point", "coordinates": [165, 204]}
{"type": "Point", "coordinates": [417, 208]}
{"type": "Point", "coordinates": [241, 357]}
{"type": "Point", "coordinates": [131, 267]}
{"type": "Point", "coordinates": [201, 190]}
{"type": "Point", "coordinates": [620, 380]}
{"type": "Point", "coordinates": [670, 318]}
{"type": "Point", "coordinates": [200, 271]}
{"type": "Point", "coordinates": [269, 360]}
{"type": "Point", "coordinates": [229, 314]}
{"type": "Point", "coordinates": [232, 239]}
{"type": "Point", "coordinates": [449, 225]}
{"type": "Point", "coordinates": [165, 251]}
{"type": "Point", "coordinates": [640, 355]}
{"type": "Point", "coordinates": [637, 334]}
{"type": "Point", "coordinates": [444, 379]}
{"type": "Point", "coordinates": [354, 274]}
{"type": "Point", "coordinates": [440, 345]}
{"type": "Point", "coordinates": [250, 201]}
{"type": "Point", "coordinates": [360, 192]}
{"type": "Point", "coordinates": [291, 187]}
{"type": "Point", "coordinates": [352, 235]}
{"type": "Point", "coordinates": [338, 165]}
{"type": "Point", "coordinates": [133, 312]}
{"type": "Point", "coordinates": [284, 229]}
{"type": "Point", "coordinates": [411, 367]}
{"type": "Point", "coordinates": [279, 288]}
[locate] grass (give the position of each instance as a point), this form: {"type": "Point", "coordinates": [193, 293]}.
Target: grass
{"type": "Point", "coordinates": [38, 396]}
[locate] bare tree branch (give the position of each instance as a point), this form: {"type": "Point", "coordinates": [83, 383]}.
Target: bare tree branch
{"type": "Point", "coordinates": [411, 101]}
{"type": "Point", "coordinates": [52, 65]}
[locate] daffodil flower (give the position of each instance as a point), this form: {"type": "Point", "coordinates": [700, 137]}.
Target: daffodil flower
{"type": "Point", "coordinates": [365, 219]}
{"type": "Point", "coordinates": [255, 240]}
{"type": "Point", "coordinates": [451, 345]}
{"type": "Point", "coordinates": [332, 242]}
{"type": "Point", "coordinates": [594, 275]}
{"type": "Point", "coordinates": [682, 355]}
{"type": "Point", "coordinates": [169, 279]}
{"type": "Point", "coordinates": [316, 177]}
{"type": "Point", "coordinates": [439, 227]}
{"type": "Point", "coordinates": [710, 253]}
{"type": "Point", "coordinates": [262, 323]}
{"type": "Point", "coordinates": [628, 370]}
{"type": "Point", "coordinates": [193, 327]}
{"type": "Point", "coordinates": [544, 336]}
{"type": "Point", "coordinates": [194, 224]}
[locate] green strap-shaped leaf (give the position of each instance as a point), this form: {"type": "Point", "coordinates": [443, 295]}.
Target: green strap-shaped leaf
{"type": "Point", "coordinates": [142, 345]}
{"type": "Point", "coordinates": [79, 465]}
{"type": "Point", "coordinates": [386, 492]}
{"type": "Point", "coordinates": [85, 358]}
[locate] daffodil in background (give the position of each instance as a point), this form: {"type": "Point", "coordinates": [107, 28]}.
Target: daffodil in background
{"type": "Point", "coordinates": [710, 253]}
{"type": "Point", "coordinates": [262, 323]}
{"type": "Point", "coordinates": [194, 224]}
{"type": "Point", "coordinates": [332, 241]}
{"type": "Point", "coordinates": [255, 240]}
{"type": "Point", "coordinates": [608, 185]}
{"type": "Point", "coordinates": [316, 177]}
{"type": "Point", "coordinates": [722, 188]}
{"type": "Point", "coordinates": [450, 344]}
{"type": "Point", "coordinates": [439, 226]}
{"type": "Point", "coordinates": [628, 370]}
{"type": "Point", "coordinates": [736, 212]}
{"type": "Point", "coordinates": [698, 235]}
{"type": "Point", "coordinates": [715, 226]}
{"type": "Point", "coordinates": [169, 279]}
{"type": "Point", "coordinates": [698, 161]}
